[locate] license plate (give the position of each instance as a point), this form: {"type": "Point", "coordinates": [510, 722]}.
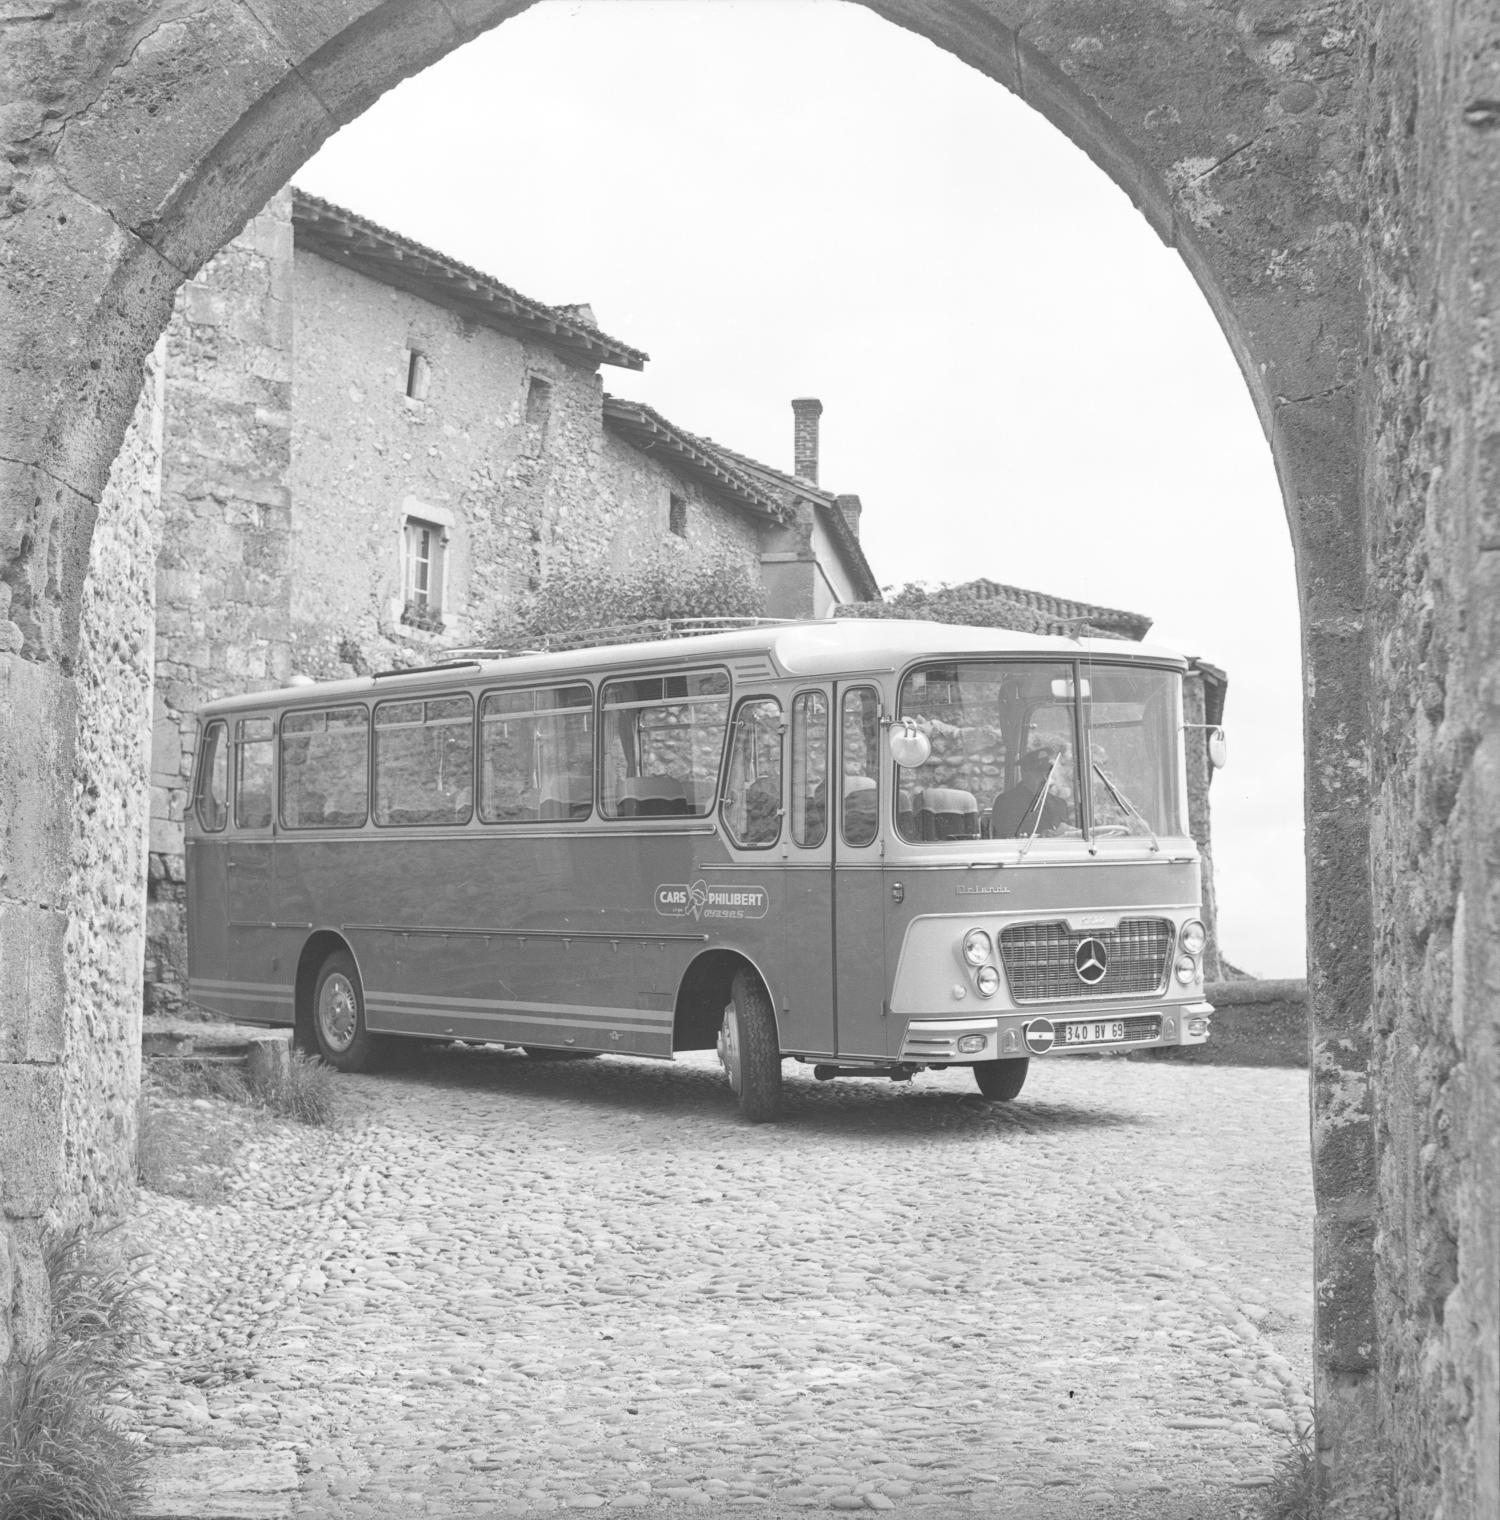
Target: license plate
{"type": "Point", "coordinates": [1092, 1034]}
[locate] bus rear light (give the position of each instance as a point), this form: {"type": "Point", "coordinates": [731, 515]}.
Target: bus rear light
{"type": "Point", "coordinates": [1187, 969]}
{"type": "Point", "coordinates": [988, 981]}
{"type": "Point", "coordinates": [971, 1044]}
{"type": "Point", "coordinates": [976, 947]}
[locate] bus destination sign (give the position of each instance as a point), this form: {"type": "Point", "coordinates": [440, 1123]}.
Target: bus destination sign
{"type": "Point", "coordinates": [703, 901]}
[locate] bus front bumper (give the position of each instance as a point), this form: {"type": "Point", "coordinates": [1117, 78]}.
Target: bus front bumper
{"type": "Point", "coordinates": [1004, 1036]}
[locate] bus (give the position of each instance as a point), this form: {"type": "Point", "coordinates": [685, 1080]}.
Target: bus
{"type": "Point", "coordinates": [871, 847]}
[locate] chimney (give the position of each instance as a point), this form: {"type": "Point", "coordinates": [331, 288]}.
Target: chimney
{"type": "Point", "coordinates": [851, 507]}
{"type": "Point", "coordinates": [805, 413]}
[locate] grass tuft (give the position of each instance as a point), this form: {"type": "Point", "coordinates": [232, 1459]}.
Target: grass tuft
{"type": "Point", "coordinates": [1292, 1492]}
{"type": "Point", "coordinates": [64, 1454]}
{"type": "Point", "coordinates": [302, 1089]}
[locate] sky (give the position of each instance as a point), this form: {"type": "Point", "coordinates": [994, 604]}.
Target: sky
{"type": "Point", "coordinates": [779, 198]}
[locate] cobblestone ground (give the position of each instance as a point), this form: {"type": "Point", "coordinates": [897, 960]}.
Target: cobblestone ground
{"type": "Point", "coordinates": [504, 1288]}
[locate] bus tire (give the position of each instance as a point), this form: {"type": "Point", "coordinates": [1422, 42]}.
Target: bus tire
{"type": "Point", "coordinates": [1000, 1081]}
{"type": "Point", "coordinates": [338, 1016]}
{"type": "Point", "coordinates": [749, 1049]}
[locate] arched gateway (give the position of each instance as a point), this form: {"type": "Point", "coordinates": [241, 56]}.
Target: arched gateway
{"type": "Point", "coordinates": [1331, 174]}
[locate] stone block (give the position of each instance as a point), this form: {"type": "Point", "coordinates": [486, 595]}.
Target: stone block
{"type": "Point", "coordinates": [36, 771]}
{"type": "Point", "coordinates": [32, 990]}
{"type": "Point", "coordinates": [166, 837]}
{"type": "Point", "coordinates": [31, 1139]}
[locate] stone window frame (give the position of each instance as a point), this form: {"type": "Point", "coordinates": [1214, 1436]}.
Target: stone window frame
{"type": "Point", "coordinates": [425, 606]}
{"type": "Point", "coordinates": [418, 380]}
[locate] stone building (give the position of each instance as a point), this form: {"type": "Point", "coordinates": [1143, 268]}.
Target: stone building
{"type": "Point", "coordinates": [372, 453]}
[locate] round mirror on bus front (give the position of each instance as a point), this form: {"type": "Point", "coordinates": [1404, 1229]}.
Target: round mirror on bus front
{"type": "Point", "coordinates": [910, 747]}
{"type": "Point", "coordinates": [1218, 749]}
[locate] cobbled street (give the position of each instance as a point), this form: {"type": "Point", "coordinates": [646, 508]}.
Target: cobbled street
{"type": "Point", "coordinates": [504, 1287]}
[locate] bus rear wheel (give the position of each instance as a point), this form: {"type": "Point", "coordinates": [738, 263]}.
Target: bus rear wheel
{"type": "Point", "coordinates": [1000, 1081]}
{"type": "Point", "coordinates": [750, 1050]}
{"type": "Point", "coordinates": [338, 1016]}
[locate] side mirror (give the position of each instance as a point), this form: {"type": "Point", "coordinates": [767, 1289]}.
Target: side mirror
{"type": "Point", "coordinates": [1218, 749]}
{"type": "Point", "coordinates": [910, 747]}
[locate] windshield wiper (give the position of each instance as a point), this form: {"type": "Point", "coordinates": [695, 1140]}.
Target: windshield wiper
{"type": "Point", "coordinates": [1128, 806]}
{"type": "Point", "coordinates": [1039, 802]}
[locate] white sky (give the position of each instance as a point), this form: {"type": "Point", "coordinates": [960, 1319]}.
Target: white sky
{"type": "Point", "coordinates": [780, 198]}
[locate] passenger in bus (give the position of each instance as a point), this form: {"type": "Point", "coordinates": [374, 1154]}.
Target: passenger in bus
{"type": "Point", "coordinates": [1015, 812]}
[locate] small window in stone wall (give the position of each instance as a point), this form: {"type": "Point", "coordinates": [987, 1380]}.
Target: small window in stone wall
{"type": "Point", "coordinates": [538, 402]}
{"type": "Point", "coordinates": [418, 375]}
{"type": "Point", "coordinates": [677, 515]}
{"type": "Point", "coordinates": [422, 550]}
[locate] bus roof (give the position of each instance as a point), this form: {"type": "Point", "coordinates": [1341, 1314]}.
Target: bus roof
{"type": "Point", "coordinates": [815, 648]}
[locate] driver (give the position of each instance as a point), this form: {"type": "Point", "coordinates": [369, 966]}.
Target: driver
{"type": "Point", "coordinates": [1015, 813]}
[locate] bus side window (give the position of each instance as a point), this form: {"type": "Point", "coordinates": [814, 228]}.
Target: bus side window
{"type": "Point", "coordinates": [254, 767]}
{"type": "Point", "coordinates": [662, 744]}
{"type": "Point", "coordinates": [536, 755]}
{"type": "Point", "coordinates": [324, 768]}
{"type": "Point", "coordinates": [752, 795]}
{"type": "Point", "coordinates": [212, 801]}
{"type": "Point", "coordinates": [809, 768]}
{"type": "Point", "coordinates": [424, 761]}
{"type": "Point", "coordinates": [860, 777]}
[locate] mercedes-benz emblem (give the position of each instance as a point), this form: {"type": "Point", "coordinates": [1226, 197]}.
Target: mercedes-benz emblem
{"type": "Point", "coordinates": [1091, 961]}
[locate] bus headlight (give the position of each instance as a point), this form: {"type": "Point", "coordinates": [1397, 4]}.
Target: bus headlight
{"type": "Point", "coordinates": [988, 981]}
{"type": "Point", "coordinates": [976, 947]}
{"type": "Point", "coordinates": [1194, 936]}
{"type": "Point", "coordinates": [1187, 969]}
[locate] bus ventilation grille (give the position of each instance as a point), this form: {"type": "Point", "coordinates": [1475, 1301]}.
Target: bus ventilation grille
{"type": "Point", "coordinates": [1039, 966]}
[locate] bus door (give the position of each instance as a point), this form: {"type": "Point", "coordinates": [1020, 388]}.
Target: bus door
{"type": "Point", "coordinates": [206, 847]}
{"type": "Point", "coordinates": [805, 991]}
{"type": "Point", "coordinates": [858, 896]}
{"type": "Point", "coordinates": [249, 855]}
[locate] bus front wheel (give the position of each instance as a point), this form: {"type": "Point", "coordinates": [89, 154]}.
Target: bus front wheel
{"type": "Point", "coordinates": [750, 1050]}
{"type": "Point", "coordinates": [339, 1016]}
{"type": "Point", "coordinates": [1000, 1081]}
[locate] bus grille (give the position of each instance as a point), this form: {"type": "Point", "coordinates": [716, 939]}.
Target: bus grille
{"type": "Point", "coordinates": [1038, 960]}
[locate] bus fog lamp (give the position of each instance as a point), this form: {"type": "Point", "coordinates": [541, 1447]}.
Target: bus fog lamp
{"type": "Point", "coordinates": [976, 947]}
{"type": "Point", "coordinates": [1197, 1026]}
{"type": "Point", "coordinates": [971, 1044]}
{"type": "Point", "coordinates": [988, 981]}
{"type": "Point", "coordinates": [1194, 937]}
{"type": "Point", "coordinates": [1187, 969]}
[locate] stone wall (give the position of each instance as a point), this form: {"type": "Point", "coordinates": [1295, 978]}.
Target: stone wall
{"type": "Point", "coordinates": [1432, 399]}
{"type": "Point", "coordinates": [103, 950]}
{"type": "Point", "coordinates": [506, 449]}
{"type": "Point", "coordinates": [222, 592]}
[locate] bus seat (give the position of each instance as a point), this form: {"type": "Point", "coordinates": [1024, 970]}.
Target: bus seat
{"type": "Point", "coordinates": [948, 813]}
{"type": "Point", "coordinates": [651, 797]}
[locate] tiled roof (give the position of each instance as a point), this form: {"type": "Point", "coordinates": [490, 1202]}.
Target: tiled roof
{"type": "Point", "coordinates": [824, 503]}
{"type": "Point", "coordinates": [647, 429]}
{"type": "Point", "coordinates": [1129, 625]}
{"type": "Point", "coordinates": [384, 255]}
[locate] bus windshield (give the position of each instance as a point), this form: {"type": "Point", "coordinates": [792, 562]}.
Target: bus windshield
{"type": "Point", "coordinates": [1052, 749]}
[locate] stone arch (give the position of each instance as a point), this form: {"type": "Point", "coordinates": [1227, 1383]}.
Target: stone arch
{"type": "Point", "coordinates": [143, 136]}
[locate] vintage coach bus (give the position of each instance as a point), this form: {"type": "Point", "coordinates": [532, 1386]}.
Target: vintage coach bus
{"type": "Point", "coordinates": [871, 847]}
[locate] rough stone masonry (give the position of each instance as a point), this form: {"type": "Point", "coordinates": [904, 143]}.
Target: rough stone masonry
{"type": "Point", "coordinates": [1330, 172]}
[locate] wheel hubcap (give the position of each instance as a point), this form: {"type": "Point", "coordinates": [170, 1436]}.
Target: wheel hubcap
{"type": "Point", "coordinates": [338, 1012]}
{"type": "Point", "coordinates": [729, 1049]}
